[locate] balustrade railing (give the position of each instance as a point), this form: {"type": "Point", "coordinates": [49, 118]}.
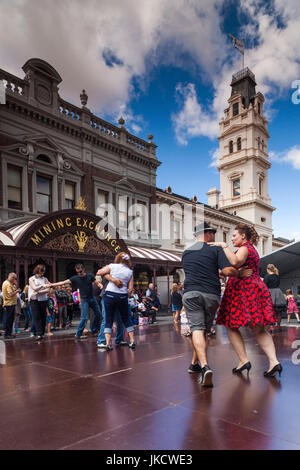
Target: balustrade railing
{"type": "Point", "coordinates": [104, 127]}
{"type": "Point", "coordinates": [69, 110]}
{"type": "Point", "coordinates": [136, 142]}
{"type": "Point", "coordinates": [13, 84]}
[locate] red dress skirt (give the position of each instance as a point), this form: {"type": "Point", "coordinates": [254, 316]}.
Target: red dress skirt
{"type": "Point", "coordinates": [247, 301]}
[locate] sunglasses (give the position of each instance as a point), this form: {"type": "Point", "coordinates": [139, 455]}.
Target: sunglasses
{"type": "Point", "coordinates": [80, 272]}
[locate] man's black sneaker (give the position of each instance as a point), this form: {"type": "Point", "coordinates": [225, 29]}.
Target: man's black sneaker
{"type": "Point", "coordinates": [206, 377]}
{"type": "Point", "coordinates": [9, 336]}
{"type": "Point", "coordinates": [131, 345]}
{"type": "Point", "coordinates": [194, 368]}
{"type": "Point", "coordinates": [109, 347]}
{"type": "Point", "coordinates": [122, 343]}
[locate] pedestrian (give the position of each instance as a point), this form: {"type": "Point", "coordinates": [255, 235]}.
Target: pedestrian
{"type": "Point", "coordinates": [70, 306]}
{"type": "Point", "coordinates": [201, 264]}
{"type": "Point", "coordinates": [61, 298]}
{"type": "Point", "coordinates": [38, 297]}
{"type": "Point", "coordinates": [247, 302]}
{"type": "Point", "coordinates": [120, 276]}
{"type": "Point", "coordinates": [176, 302]}
{"type": "Point", "coordinates": [120, 330]}
{"type": "Point", "coordinates": [26, 308]}
{"type": "Point", "coordinates": [83, 282]}
{"type": "Point", "coordinates": [18, 313]}
{"type": "Point", "coordinates": [291, 305]}
{"type": "Point", "coordinates": [272, 281]}
{"type": "Point", "coordinates": [51, 308]}
{"type": "Point", "coordinates": [10, 293]}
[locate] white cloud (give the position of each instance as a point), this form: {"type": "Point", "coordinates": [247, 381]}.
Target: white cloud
{"type": "Point", "coordinates": [215, 158]}
{"type": "Point", "coordinates": [101, 45]}
{"type": "Point", "coordinates": [291, 156]}
{"type": "Point", "coordinates": [272, 53]}
{"type": "Point", "coordinates": [192, 120]}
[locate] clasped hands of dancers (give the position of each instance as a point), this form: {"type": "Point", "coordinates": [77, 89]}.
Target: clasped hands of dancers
{"type": "Point", "coordinates": [246, 301]}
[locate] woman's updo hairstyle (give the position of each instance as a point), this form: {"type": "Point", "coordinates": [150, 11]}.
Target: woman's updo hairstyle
{"type": "Point", "coordinates": [273, 269]}
{"type": "Point", "coordinates": [249, 231]}
{"type": "Point", "coordinates": [123, 258]}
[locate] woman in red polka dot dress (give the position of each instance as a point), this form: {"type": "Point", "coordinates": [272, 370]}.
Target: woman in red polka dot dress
{"type": "Point", "coordinates": [247, 302]}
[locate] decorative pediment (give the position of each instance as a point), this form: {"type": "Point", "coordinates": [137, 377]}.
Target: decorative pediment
{"type": "Point", "coordinates": [234, 175]}
{"type": "Point", "coordinates": [46, 142]}
{"type": "Point", "coordinates": [125, 184]}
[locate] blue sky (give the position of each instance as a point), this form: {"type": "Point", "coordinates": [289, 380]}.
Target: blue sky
{"type": "Point", "coordinates": [165, 66]}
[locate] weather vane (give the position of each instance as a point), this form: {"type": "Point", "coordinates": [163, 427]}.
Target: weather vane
{"type": "Point", "coordinates": [240, 45]}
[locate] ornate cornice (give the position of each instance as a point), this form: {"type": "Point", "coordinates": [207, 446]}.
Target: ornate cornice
{"type": "Point", "coordinates": [76, 131]}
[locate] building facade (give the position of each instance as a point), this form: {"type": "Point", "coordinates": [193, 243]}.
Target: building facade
{"type": "Point", "coordinates": [54, 153]}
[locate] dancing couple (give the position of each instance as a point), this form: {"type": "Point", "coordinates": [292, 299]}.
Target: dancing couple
{"type": "Point", "coordinates": [246, 300]}
{"type": "Point", "coordinates": [115, 300]}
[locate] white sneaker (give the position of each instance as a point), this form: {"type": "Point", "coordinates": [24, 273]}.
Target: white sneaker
{"type": "Point", "coordinates": [101, 345]}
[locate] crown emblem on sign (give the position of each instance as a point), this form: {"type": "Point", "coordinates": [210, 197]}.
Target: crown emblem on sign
{"type": "Point", "coordinates": [81, 204]}
{"type": "Point", "coordinates": [81, 239]}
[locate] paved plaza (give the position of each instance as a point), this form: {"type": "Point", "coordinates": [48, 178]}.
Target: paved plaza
{"type": "Point", "coordinates": [66, 394]}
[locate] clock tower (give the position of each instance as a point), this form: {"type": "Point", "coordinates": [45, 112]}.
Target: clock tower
{"type": "Point", "coordinates": [244, 160]}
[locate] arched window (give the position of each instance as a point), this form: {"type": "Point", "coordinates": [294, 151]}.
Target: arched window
{"type": "Point", "coordinates": [239, 143]}
{"type": "Point", "coordinates": [231, 146]}
{"type": "Point", "coordinates": [263, 145]}
{"type": "Point", "coordinates": [44, 158]}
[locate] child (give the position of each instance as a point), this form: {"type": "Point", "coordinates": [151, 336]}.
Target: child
{"type": "Point", "coordinates": [292, 306]}
{"type": "Point", "coordinates": [51, 308]}
{"type": "Point", "coordinates": [184, 327]}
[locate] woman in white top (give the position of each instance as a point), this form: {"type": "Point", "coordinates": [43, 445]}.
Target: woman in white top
{"type": "Point", "coordinates": [38, 297]}
{"type": "Point", "coordinates": [120, 276]}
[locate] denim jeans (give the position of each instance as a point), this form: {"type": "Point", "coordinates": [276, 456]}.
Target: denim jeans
{"type": "Point", "coordinates": [28, 316]}
{"type": "Point", "coordinates": [120, 327]}
{"type": "Point", "coordinates": [86, 304]}
{"type": "Point", "coordinates": [114, 302]}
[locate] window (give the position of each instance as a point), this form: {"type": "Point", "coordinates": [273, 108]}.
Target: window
{"type": "Point", "coordinates": [177, 231]}
{"type": "Point", "coordinates": [14, 187]}
{"type": "Point", "coordinates": [231, 146]}
{"type": "Point", "coordinates": [235, 109]}
{"type": "Point", "coordinates": [224, 237]}
{"type": "Point", "coordinates": [69, 195]}
{"type": "Point", "coordinates": [123, 211]}
{"type": "Point", "coordinates": [258, 108]}
{"type": "Point", "coordinates": [140, 216]}
{"type": "Point", "coordinates": [239, 143]}
{"type": "Point", "coordinates": [263, 145]}
{"type": "Point", "coordinates": [260, 186]}
{"type": "Point", "coordinates": [43, 194]}
{"type": "Point", "coordinates": [236, 188]}
{"type": "Point", "coordinates": [263, 246]}
{"type": "Point", "coordinates": [102, 205]}
{"type": "Point", "coordinates": [44, 158]}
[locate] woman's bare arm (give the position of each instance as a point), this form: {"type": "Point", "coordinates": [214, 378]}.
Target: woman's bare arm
{"type": "Point", "coordinates": [103, 271]}
{"type": "Point", "coordinates": [235, 259]}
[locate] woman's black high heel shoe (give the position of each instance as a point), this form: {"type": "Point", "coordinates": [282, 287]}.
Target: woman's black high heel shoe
{"type": "Point", "coordinates": [244, 367]}
{"type": "Point", "coordinates": [273, 372]}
